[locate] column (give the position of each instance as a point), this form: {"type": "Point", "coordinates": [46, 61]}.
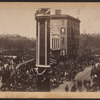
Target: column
{"type": "Point", "coordinates": [38, 61]}
{"type": "Point", "coordinates": [52, 43]}
{"type": "Point", "coordinates": [58, 43]}
{"type": "Point", "coordinates": [43, 52]}
{"type": "Point", "coordinates": [45, 42]}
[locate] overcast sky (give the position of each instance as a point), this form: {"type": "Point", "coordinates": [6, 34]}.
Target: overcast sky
{"type": "Point", "coordinates": [22, 21]}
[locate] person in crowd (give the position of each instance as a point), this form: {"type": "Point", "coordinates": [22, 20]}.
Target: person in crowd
{"type": "Point", "coordinates": [66, 88]}
{"type": "Point", "coordinates": [3, 75]}
{"type": "Point", "coordinates": [74, 88]}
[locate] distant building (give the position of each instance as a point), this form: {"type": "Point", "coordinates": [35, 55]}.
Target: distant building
{"type": "Point", "coordinates": [64, 33]}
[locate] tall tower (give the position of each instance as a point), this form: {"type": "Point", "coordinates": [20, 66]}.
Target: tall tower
{"type": "Point", "coordinates": [43, 48]}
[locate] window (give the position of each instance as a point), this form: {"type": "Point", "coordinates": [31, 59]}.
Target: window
{"type": "Point", "coordinates": [72, 33]}
{"type": "Point", "coordinates": [62, 40]}
{"type": "Point", "coordinates": [62, 30]}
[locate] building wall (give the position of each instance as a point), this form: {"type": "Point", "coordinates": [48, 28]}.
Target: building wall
{"type": "Point", "coordinates": [73, 36]}
{"type": "Point", "coordinates": [58, 30]}
{"type": "Point", "coordinates": [67, 30]}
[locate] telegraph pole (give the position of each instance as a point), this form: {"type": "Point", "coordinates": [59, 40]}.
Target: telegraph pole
{"type": "Point", "coordinates": [43, 49]}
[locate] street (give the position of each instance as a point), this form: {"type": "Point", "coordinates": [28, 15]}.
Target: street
{"type": "Point", "coordinates": [80, 76]}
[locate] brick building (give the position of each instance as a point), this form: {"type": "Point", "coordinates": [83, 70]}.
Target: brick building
{"type": "Point", "coordinates": [64, 33]}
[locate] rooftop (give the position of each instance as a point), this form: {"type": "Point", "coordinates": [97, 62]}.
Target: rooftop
{"type": "Point", "coordinates": [45, 12]}
{"type": "Point", "coordinates": [64, 16]}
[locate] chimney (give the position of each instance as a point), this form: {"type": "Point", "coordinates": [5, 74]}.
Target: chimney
{"type": "Point", "coordinates": [57, 12]}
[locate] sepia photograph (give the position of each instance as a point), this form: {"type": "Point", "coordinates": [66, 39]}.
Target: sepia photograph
{"type": "Point", "coordinates": [50, 48]}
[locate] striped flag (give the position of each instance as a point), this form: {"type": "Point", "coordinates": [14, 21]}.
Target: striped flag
{"type": "Point", "coordinates": [43, 11]}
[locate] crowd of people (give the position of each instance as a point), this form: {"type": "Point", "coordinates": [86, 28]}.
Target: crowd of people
{"type": "Point", "coordinates": [67, 69]}
{"type": "Point", "coordinates": [14, 78]}
{"type": "Point", "coordinates": [91, 84]}
{"type": "Point", "coordinates": [24, 78]}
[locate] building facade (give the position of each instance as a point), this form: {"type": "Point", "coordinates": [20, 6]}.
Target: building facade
{"type": "Point", "coordinates": [64, 33]}
{"type": "Point", "coordinates": [56, 32]}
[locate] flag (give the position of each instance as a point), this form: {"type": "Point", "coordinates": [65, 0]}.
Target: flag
{"type": "Point", "coordinates": [43, 11]}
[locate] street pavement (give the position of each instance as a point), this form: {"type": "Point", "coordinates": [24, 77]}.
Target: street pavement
{"type": "Point", "coordinates": [80, 76]}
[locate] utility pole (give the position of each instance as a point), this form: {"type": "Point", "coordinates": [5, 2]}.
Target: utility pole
{"type": "Point", "coordinates": [42, 17]}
